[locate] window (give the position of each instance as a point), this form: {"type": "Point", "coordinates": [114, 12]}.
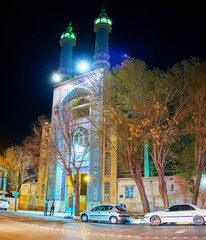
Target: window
{"type": "Point", "coordinates": [107, 164]}
{"type": "Point", "coordinates": [129, 192]}
{"type": "Point", "coordinates": [44, 171]}
{"type": "Point", "coordinates": [174, 208]}
{"type": "Point", "coordinates": [81, 112]}
{"type": "Point", "coordinates": [186, 208]}
{"type": "Point", "coordinates": [99, 208]}
{"type": "Point", "coordinates": [42, 191]}
{"type": "Point", "coordinates": [80, 136]}
{"type": "Point", "coordinates": [46, 148]}
{"type": "Point", "coordinates": [107, 136]}
{"type": "Point", "coordinates": [107, 188]}
{"type": "Point", "coordinates": [107, 208]}
{"type": "Point", "coordinates": [80, 108]}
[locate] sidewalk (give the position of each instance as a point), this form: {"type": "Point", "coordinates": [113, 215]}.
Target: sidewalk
{"type": "Point", "coordinates": [41, 213]}
{"type": "Point", "coordinates": [64, 215]}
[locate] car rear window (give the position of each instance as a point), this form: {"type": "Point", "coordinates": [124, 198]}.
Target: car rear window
{"type": "Point", "coordinates": [120, 208]}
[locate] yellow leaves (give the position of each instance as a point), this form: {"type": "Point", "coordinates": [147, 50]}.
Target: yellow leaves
{"type": "Point", "coordinates": [145, 122]}
{"type": "Point", "coordinates": [135, 131]}
{"type": "Point", "coordinates": [120, 120]}
{"type": "Point", "coordinates": [156, 132]}
{"type": "Point", "coordinates": [157, 106]}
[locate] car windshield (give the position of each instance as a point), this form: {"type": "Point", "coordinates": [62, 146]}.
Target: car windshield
{"type": "Point", "coordinates": [120, 208]}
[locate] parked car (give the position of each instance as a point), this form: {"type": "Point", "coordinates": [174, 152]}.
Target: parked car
{"type": "Point", "coordinates": [4, 204]}
{"type": "Point", "coordinates": [178, 213]}
{"type": "Point", "coordinates": [111, 213]}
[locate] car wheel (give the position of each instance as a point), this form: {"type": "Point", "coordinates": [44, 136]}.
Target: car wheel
{"type": "Point", "coordinates": [198, 220]}
{"type": "Point", "coordinates": [155, 220]}
{"type": "Point", "coordinates": [113, 220]}
{"type": "Point", "coordinates": [84, 218]}
{"type": "Point", "coordinates": [5, 209]}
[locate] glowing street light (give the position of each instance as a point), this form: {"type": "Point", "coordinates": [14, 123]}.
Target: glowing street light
{"type": "Point", "coordinates": [56, 77]}
{"type": "Point", "coordinates": [83, 66]}
{"type": "Point", "coordinates": [87, 178]}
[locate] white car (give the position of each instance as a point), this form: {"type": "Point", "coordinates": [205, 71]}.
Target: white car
{"type": "Point", "coordinates": [4, 204]}
{"type": "Point", "coordinates": [178, 213]}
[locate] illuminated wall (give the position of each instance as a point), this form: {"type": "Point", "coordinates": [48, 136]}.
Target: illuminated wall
{"type": "Point", "coordinates": [65, 92]}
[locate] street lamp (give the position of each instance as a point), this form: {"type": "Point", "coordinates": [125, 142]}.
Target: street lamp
{"type": "Point", "coordinates": [56, 77]}
{"type": "Point", "coordinates": [83, 66]}
{"type": "Point", "coordinates": [86, 178]}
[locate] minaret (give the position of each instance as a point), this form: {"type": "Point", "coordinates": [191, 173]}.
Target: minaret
{"type": "Point", "coordinates": [67, 42]}
{"type": "Point", "coordinates": [102, 27]}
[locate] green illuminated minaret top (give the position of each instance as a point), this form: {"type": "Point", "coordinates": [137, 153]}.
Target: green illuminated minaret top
{"type": "Point", "coordinates": [68, 34]}
{"type": "Point", "coordinates": [103, 19]}
{"type": "Point", "coordinates": [67, 42]}
{"type": "Point", "coordinates": [102, 27]}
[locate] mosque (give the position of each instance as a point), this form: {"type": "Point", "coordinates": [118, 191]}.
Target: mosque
{"type": "Point", "coordinates": [98, 175]}
{"type": "Point", "coordinates": [100, 182]}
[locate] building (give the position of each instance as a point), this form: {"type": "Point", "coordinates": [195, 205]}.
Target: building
{"type": "Point", "coordinates": [100, 167]}
{"type": "Point", "coordinates": [99, 179]}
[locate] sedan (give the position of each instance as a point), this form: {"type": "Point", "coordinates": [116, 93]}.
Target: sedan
{"type": "Point", "coordinates": [111, 213]}
{"type": "Point", "coordinates": [4, 204]}
{"type": "Point", "coordinates": [178, 213]}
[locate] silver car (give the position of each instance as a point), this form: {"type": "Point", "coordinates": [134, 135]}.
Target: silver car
{"type": "Point", "coordinates": [111, 213]}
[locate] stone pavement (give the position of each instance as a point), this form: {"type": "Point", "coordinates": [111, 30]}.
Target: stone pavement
{"type": "Point", "coordinates": [63, 215]}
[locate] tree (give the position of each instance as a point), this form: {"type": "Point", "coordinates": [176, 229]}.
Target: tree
{"type": "Point", "coordinates": [17, 162]}
{"type": "Point", "coordinates": [165, 110]}
{"type": "Point", "coordinates": [70, 143]}
{"type": "Point", "coordinates": [193, 73]}
{"type": "Point", "coordinates": [123, 99]}
{"type": "Point", "coordinates": [33, 142]}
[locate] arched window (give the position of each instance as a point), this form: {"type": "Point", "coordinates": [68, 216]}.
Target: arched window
{"type": "Point", "coordinates": [107, 137]}
{"type": "Point", "coordinates": [44, 171]}
{"type": "Point", "coordinates": [42, 191]}
{"type": "Point", "coordinates": [80, 108]}
{"type": "Point", "coordinates": [107, 164]}
{"type": "Point", "coordinates": [80, 136]}
{"type": "Point", "coordinates": [80, 102]}
{"type": "Point", "coordinates": [107, 188]}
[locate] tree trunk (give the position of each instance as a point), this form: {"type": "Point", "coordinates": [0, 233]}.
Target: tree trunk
{"type": "Point", "coordinates": [76, 189]}
{"type": "Point", "coordinates": [197, 187]}
{"type": "Point", "coordinates": [163, 188]}
{"type": "Point", "coordinates": [140, 185]}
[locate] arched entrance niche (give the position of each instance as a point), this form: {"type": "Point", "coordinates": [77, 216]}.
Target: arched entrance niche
{"type": "Point", "coordinates": [79, 100]}
{"type": "Point", "coordinates": [76, 94]}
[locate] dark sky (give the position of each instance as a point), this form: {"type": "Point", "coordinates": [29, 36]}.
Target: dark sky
{"type": "Point", "coordinates": [158, 32]}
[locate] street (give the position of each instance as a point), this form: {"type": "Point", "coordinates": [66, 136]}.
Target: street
{"type": "Point", "coordinates": [18, 227]}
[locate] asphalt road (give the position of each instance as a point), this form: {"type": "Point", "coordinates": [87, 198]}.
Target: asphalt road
{"type": "Point", "coordinates": [21, 227]}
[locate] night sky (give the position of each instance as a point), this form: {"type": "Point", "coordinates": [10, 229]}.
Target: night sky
{"type": "Point", "coordinates": [158, 32]}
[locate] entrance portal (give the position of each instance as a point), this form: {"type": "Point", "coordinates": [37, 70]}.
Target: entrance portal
{"type": "Point", "coordinates": [70, 195]}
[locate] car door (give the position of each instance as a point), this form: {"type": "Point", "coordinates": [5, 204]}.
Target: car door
{"type": "Point", "coordinates": [187, 213]}
{"type": "Point", "coordinates": [171, 214]}
{"type": "Point", "coordinates": [95, 213]}
{"type": "Point", "coordinates": [106, 213]}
